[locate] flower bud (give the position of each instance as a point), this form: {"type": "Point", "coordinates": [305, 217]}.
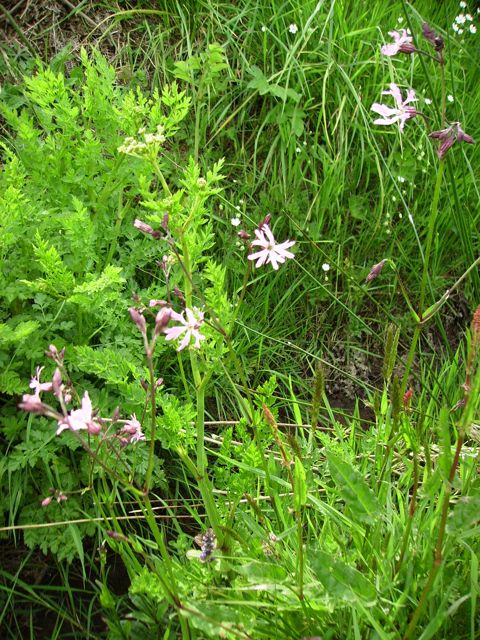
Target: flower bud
{"type": "Point", "coordinates": [46, 501]}
{"type": "Point", "coordinates": [162, 319]}
{"type": "Point", "coordinates": [375, 270]}
{"type": "Point", "coordinates": [138, 319]}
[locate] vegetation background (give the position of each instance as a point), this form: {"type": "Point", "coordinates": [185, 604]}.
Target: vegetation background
{"type": "Point", "coordinates": [340, 543]}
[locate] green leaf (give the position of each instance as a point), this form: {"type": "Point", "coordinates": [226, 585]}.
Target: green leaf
{"type": "Point", "coordinates": [465, 515]}
{"type": "Point", "coordinates": [340, 580]}
{"type": "Point", "coordinates": [259, 82]}
{"type": "Point", "coordinates": [354, 490]}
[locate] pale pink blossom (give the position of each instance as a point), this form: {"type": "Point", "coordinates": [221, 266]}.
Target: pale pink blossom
{"type": "Point", "coordinates": [190, 322]}
{"type": "Point", "coordinates": [79, 419]}
{"type": "Point", "coordinates": [131, 431]}
{"type": "Point", "coordinates": [271, 252]}
{"type": "Point", "coordinates": [32, 403]}
{"type": "Point", "coordinates": [39, 386]}
{"type": "Point", "coordinates": [401, 113]}
{"type": "Point", "coordinates": [402, 43]}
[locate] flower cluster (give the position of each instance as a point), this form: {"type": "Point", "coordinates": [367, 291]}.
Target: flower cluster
{"type": "Point", "coordinates": [141, 148]}
{"type": "Point", "coordinates": [403, 109]}
{"type": "Point", "coordinates": [82, 419]}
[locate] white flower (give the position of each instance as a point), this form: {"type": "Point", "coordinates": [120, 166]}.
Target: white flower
{"type": "Point", "coordinates": [401, 179]}
{"type": "Point", "coordinates": [472, 28]}
{"type": "Point", "coordinates": [326, 267]}
{"type": "Point", "coordinates": [293, 28]}
{"type": "Point", "coordinates": [460, 19]}
{"type": "Point", "coordinates": [400, 19]}
{"type": "Point", "coordinates": [263, 29]}
{"type": "Point", "coordinates": [450, 98]}
{"type": "Point", "coordinates": [455, 27]}
{"type": "Point", "coordinates": [468, 17]}
{"type": "Point", "coordinates": [462, 4]}
{"type": "Point", "coordinates": [298, 150]}
{"type": "Point", "coordinates": [235, 221]}
{"type": "Point", "coordinates": [428, 101]}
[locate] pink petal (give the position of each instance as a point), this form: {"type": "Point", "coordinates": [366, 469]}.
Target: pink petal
{"type": "Point", "coordinates": [390, 49]}
{"type": "Point", "coordinates": [172, 333]}
{"type": "Point", "coordinates": [383, 110]}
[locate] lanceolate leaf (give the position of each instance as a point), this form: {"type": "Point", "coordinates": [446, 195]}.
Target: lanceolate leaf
{"type": "Point", "coordinates": [354, 490]}
{"type": "Point", "coordinates": [340, 580]}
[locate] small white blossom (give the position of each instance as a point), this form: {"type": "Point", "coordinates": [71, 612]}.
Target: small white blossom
{"type": "Point", "coordinates": [293, 28]}
{"type": "Point", "coordinates": [401, 179]}
{"type": "Point", "coordinates": [235, 221]}
{"type": "Point", "coordinates": [264, 28]}
{"type": "Point", "coordinates": [462, 4]}
{"type": "Point", "coordinates": [450, 98]}
{"type": "Point", "coordinates": [326, 267]}
{"type": "Point", "coordinates": [455, 27]}
{"type": "Point", "coordinates": [428, 101]}
{"type": "Point", "coordinates": [468, 17]}
{"type": "Point", "coordinates": [472, 28]}
{"type": "Point", "coordinates": [460, 19]}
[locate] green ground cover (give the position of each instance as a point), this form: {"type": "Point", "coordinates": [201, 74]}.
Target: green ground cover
{"type": "Point", "coordinates": [220, 438]}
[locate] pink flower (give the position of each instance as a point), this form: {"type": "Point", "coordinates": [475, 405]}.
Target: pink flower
{"type": "Point", "coordinates": [401, 43]}
{"type": "Point", "coordinates": [131, 431]}
{"type": "Point", "coordinates": [449, 136]}
{"type": "Point", "coordinates": [189, 325]}
{"type": "Point", "coordinates": [80, 418]}
{"type": "Point", "coordinates": [33, 404]}
{"type": "Point", "coordinates": [39, 386]}
{"type": "Point", "coordinates": [401, 113]}
{"type": "Point", "coordinates": [270, 251]}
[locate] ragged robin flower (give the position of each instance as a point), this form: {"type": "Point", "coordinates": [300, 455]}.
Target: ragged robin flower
{"type": "Point", "coordinates": [401, 113]}
{"type": "Point", "coordinates": [271, 252]}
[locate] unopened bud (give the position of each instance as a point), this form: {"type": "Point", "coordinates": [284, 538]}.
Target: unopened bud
{"type": "Point", "coordinates": [201, 183]}
{"type": "Point", "coordinates": [52, 352]}
{"type": "Point", "coordinates": [57, 383]}
{"type": "Point", "coordinates": [116, 415]}
{"type": "Point", "coordinates": [157, 303]}
{"type": "Point", "coordinates": [158, 383]}
{"type": "Point", "coordinates": [162, 319]}
{"type": "Point", "coordinates": [178, 294]}
{"type": "Point", "coordinates": [165, 222]}
{"type": "Point", "coordinates": [138, 319]}
{"type": "Point", "coordinates": [244, 235]}
{"type": "Point", "coordinates": [265, 222]}
{"type": "Point", "coordinates": [375, 270]}
{"type": "Point", "coordinates": [146, 228]}
{"type": "Point", "coordinates": [46, 501]}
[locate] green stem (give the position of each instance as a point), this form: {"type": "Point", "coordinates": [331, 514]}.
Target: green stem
{"type": "Point", "coordinates": [153, 411]}
{"type": "Point", "coordinates": [431, 228]}
{"type": "Point", "coordinates": [426, 262]}
{"type": "Point", "coordinates": [161, 177]}
{"type": "Point", "coordinates": [437, 561]}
